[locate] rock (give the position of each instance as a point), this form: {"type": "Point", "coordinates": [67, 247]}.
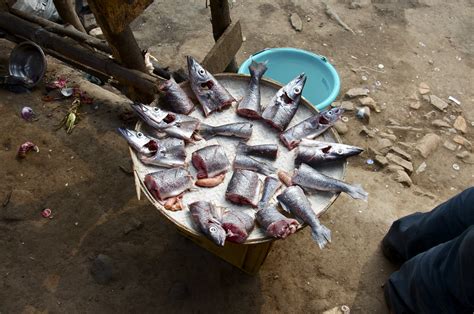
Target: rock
{"type": "Point", "coordinates": [466, 157]}
{"type": "Point", "coordinates": [415, 105]}
{"type": "Point", "coordinates": [391, 137]}
{"type": "Point", "coordinates": [438, 103]}
{"type": "Point", "coordinates": [450, 145]}
{"type": "Point", "coordinates": [426, 98]}
{"type": "Point", "coordinates": [418, 191]}
{"type": "Point", "coordinates": [460, 124]}
{"type": "Point", "coordinates": [428, 144]}
{"type": "Point", "coordinates": [365, 130]}
{"type": "Point", "coordinates": [440, 123]}
{"type": "Point", "coordinates": [296, 22]}
{"type": "Point", "coordinates": [423, 88]}
{"type": "Point", "coordinates": [400, 161]}
{"type": "Point", "coordinates": [463, 141]}
{"type": "Point", "coordinates": [347, 105]}
{"type": "Point", "coordinates": [335, 104]}
{"type": "Point", "coordinates": [102, 269]}
{"type": "Point", "coordinates": [381, 160]}
{"type": "Point", "coordinates": [392, 121]}
{"type": "Point", "coordinates": [356, 92]}
{"type": "Point", "coordinates": [341, 127]}
{"type": "Point", "coordinates": [369, 102]}
{"type": "Point", "coordinates": [133, 224]}
{"type": "Point", "coordinates": [402, 177]}
{"type": "Point", "coordinates": [19, 207]}
{"type": "Point", "coordinates": [359, 4]}
{"type": "Point", "coordinates": [401, 152]}
{"type": "Point", "coordinates": [363, 114]}
{"type": "Point", "coordinates": [179, 291]}
{"type": "Point", "coordinates": [97, 32]}
{"type": "Point", "coordinates": [421, 168]}
{"type": "Point", "coordinates": [373, 151]}
{"type": "Point", "coordinates": [383, 144]}
{"type": "Point", "coordinates": [394, 168]}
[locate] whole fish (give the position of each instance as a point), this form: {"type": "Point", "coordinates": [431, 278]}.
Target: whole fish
{"type": "Point", "coordinates": [173, 124]}
{"type": "Point", "coordinates": [269, 151]}
{"type": "Point", "coordinates": [275, 223]}
{"type": "Point", "coordinates": [175, 97]}
{"type": "Point", "coordinates": [311, 127]}
{"type": "Point", "coordinates": [168, 183]}
{"type": "Point", "coordinates": [293, 200]}
{"type": "Point", "coordinates": [241, 130]}
{"type": "Point", "coordinates": [237, 225]}
{"type": "Point", "coordinates": [207, 219]}
{"type": "Point", "coordinates": [249, 106]}
{"type": "Point", "coordinates": [283, 106]}
{"type": "Point", "coordinates": [243, 188]}
{"type": "Point", "coordinates": [270, 186]}
{"type": "Point", "coordinates": [310, 178]}
{"type": "Point", "coordinates": [167, 152]}
{"type": "Point", "coordinates": [249, 163]}
{"type": "Point", "coordinates": [209, 92]}
{"type": "Point", "coordinates": [315, 153]}
{"type": "Point", "coordinates": [210, 161]}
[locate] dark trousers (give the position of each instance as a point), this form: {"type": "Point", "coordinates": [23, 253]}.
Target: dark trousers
{"type": "Point", "coordinates": [438, 249]}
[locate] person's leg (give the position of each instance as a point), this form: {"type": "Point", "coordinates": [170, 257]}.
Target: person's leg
{"type": "Point", "coordinates": [440, 280]}
{"type": "Point", "coordinates": [418, 232]}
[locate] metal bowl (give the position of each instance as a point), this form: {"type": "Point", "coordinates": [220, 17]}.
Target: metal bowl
{"type": "Point", "coordinates": [27, 61]}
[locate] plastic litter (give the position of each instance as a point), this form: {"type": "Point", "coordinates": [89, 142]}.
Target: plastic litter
{"type": "Point", "coordinates": [25, 148]}
{"type": "Point", "coordinates": [456, 167]}
{"type": "Point", "coordinates": [28, 114]}
{"type": "Point", "coordinates": [47, 213]}
{"type": "Point", "coordinates": [454, 100]}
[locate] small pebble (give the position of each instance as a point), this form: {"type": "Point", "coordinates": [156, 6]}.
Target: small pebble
{"type": "Point", "coordinates": [456, 167]}
{"type": "Point", "coordinates": [380, 66]}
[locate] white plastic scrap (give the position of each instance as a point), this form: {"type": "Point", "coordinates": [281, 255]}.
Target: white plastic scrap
{"type": "Point", "coordinates": [454, 100]}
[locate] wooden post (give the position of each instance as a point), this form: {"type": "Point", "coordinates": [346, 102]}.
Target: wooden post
{"type": "Point", "coordinates": [220, 19]}
{"type": "Point", "coordinates": [67, 12]}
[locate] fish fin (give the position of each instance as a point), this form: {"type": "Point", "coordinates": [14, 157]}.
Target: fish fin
{"type": "Point", "coordinates": [257, 69]}
{"type": "Point", "coordinates": [206, 131]}
{"type": "Point", "coordinates": [357, 192]}
{"type": "Point", "coordinates": [322, 235]}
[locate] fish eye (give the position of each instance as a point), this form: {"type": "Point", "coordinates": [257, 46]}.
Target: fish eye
{"type": "Point", "coordinates": [201, 71]}
{"type": "Point", "coordinates": [213, 229]}
{"type": "Point", "coordinates": [339, 151]}
{"type": "Point", "coordinates": [156, 109]}
{"type": "Point", "coordinates": [139, 134]}
{"type": "Point", "coordinates": [297, 90]}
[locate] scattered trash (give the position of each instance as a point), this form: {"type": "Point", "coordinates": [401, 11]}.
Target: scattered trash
{"type": "Point", "coordinates": [370, 161]}
{"type": "Point", "coordinates": [423, 88]}
{"type": "Point", "coordinates": [380, 66]}
{"type": "Point", "coordinates": [345, 119]}
{"type": "Point", "coordinates": [421, 168]}
{"type": "Point", "coordinates": [460, 124]}
{"type": "Point", "coordinates": [438, 103]}
{"type": "Point", "coordinates": [70, 120]}
{"type": "Point", "coordinates": [378, 83]}
{"type": "Point", "coordinates": [454, 100]}
{"type": "Point", "coordinates": [67, 91]}
{"type": "Point", "coordinates": [456, 167]}
{"type": "Point", "coordinates": [428, 144]}
{"type": "Point", "coordinates": [363, 113]}
{"type": "Point", "coordinates": [296, 22]}
{"type": "Point", "coordinates": [364, 78]}
{"type": "Point", "coordinates": [331, 14]}
{"type": "Point", "coordinates": [47, 213]}
{"type": "Point", "coordinates": [59, 83]}
{"type": "Point", "coordinates": [25, 148]}
{"type": "Point", "coordinates": [28, 114]}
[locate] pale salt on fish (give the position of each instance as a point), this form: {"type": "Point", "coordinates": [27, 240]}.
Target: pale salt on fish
{"type": "Point", "coordinates": [275, 223]}
{"type": "Point", "coordinates": [209, 92]}
{"type": "Point", "coordinates": [249, 106]}
{"type": "Point", "coordinates": [242, 130]}
{"type": "Point", "coordinates": [270, 186]}
{"type": "Point", "coordinates": [167, 152]}
{"type": "Point", "coordinates": [207, 218]}
{"type": "Point", "coordinates": [249, 163]}
{"type": "Point", "coordinates": [211, 163]}
{"type": "Point", "coordinates": [174, 97]}
{"type": "Point", "coordinates": [283, 106]}
{"type": "Point", "coordinates": [315, 153]}
{"type": "Point", "coordinates": [294, 201]}
{"type": "Point", "coordinates": [168, 183]}
{"type": "Point", "coordinates": [311, 179]}
{"type": "Point", "coordinates": [238, 225]}
{"type": "Point", "coordinates": [269, 151]}
{"type": "Point", "coordinates": [310, 127]}
{"type": "Point", "coordinates": [243, 188]}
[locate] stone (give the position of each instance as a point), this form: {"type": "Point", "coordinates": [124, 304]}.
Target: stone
{"type": "Point", "coordinates": [413, 96]}
{"type": "Point", "coordinates": [463, 141]}
{"type": "Point", "coordinates": [383, 144]}
{"type": "Point", "coordinates": [401, 152]}
{"type": "Point", "coordinates": [460, 124]}
{"type": "Point", "coordinates": [400, 161]}
{"type": "Point", "coordinates": [369, 102]}
{"type": "Point", "coordinates": [97, 32]}
{"type": "Point", "coordinates": [403, 178]}
{"type": "Point", "coordinates": [438, 103]}
{"type": "Point", "coordinates": [19, 207]}
{"type": "Point", "coordinates": [426, 98]}
{"type": "Point", "coordinates": [296, 22]}
{"type": "Point", "coordinates": [381, 160]}
{"type": "Point", "coordinates": [357, 92]}
{"type": "Point", "coordinates": [179, 291]}
{"type": "Point", "coordinates": [341, 127]}
{"type": "Point", "coordinates": [428, 144]}
{"type": "Point", "coordinates": [440, 123]}
{"type": "Point", "coordinates": [365, 130]}
{"type": "Point", "coordinates": [389, 136]}
{"type": "Point", "coordinates": [363, 113]}
{"type": "Point", "coordinates": [359, 4]}
{"type": "Point", "coordinates": [102, 269]}
{"type": "Point", "coordinates": [132, 225]}
{"type": "Point", "coordinates": [466, 157]}
{"type": "Point", "coordinates": [450, 145]}
{"type": "Point", "coordinates": [335, 104]}
{"type": "Point", "coordinates": [392, 121]}
{"type": "Point", "coordinates": [347, 105]}
{"type": "Point", "coordinates": [421, 168]}
{"type": "Point", "coordinates": [415, 105]}
{"type": "Point", "coordinates": [394, 168]}
{"type": "Point", "coordinates": [418, 191]}
{"type": "Point", "coordinates": [423, 88]}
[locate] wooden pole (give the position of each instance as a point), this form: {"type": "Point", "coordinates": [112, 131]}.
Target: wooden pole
{"type": "Point", "coordinates": [220, 19]}
{"type": "Point", "coordinates": [67, 12]}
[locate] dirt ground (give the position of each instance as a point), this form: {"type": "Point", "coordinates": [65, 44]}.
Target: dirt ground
{"type": "Point", "coordinates": [45, 263]}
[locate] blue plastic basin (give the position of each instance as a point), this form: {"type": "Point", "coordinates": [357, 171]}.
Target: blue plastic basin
{"type": "Point", "coordinates": [284, 64]}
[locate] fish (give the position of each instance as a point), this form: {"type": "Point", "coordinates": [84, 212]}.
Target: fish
{"type": "Point", "coordinates": [249, 106]}
{"type": "Point", "coordinates": [283, 106]}
{"type": "Point", "coordinates": [175, 97]}
{"type": "Point", "coordinates": [294, 201]}
{"type": "Point", "coordinates": [243, 188]}
{"type": "Point", "coordinates": [210, 161]}
{"type": "Point", "coordinates": [209, 92]}
{"type": "Point", "coordinates": [168, 183]}
{"type": "Point", "coordinates": [207, 218]}
{"type": "Point", "coordinates": [310, 127]}
{"type": "Point", "coordinates": [269, 151]}
{"type": "Point", "coordinates": [275, 223]}
{"type": "Point", "coordinates": [167, 152]}
{"type": "Point", "coordinates": [270, 186]}
{"type": "Point", "coordinates": [241, 130]}
{"type": "Point", "coordinates": [249, 163]}
{"type": "Point", "coordinates": [314, 153]}
{"type": "Point", "coordinates": [238, 225]}
{"type": "Point", "coordinates": [174, 124]}
{"type": "Point", "coordinates": [311, 179]}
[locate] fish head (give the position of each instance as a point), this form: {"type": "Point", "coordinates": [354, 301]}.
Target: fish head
{"type": "Point", "coordinates": [139, 141]}
{"type": "Point", "coordinates": [216, 233]}
{"type": "Point", "coordinates": [148, 113]}
{"type": "Point", "coordinates": [197, 74]}
{"type": "Point", "coordinates": [346, 150]}
{"type": "Point", "coordinates": [294, 89]}
{"type": "Point", "coordinates": [330, 116]}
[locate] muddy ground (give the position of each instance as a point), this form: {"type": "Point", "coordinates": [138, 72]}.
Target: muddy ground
{"type": "Point", "coordinates": [45, 263]}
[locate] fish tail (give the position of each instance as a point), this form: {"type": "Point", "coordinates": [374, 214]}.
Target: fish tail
{"type": "Point", "coordinates": [357, 192]}
{"type": "Point", "coordinates": [206, 131]}
{"type": "Point", "coordinates": [257, 69]}
{"type": "Point", "coordinates": [322, 235]}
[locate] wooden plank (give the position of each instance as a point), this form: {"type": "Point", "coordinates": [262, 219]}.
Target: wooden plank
{"type": "Point", "coordinates": [67, 12]}
{"type": "Point", "coordinates": [224, 50]}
